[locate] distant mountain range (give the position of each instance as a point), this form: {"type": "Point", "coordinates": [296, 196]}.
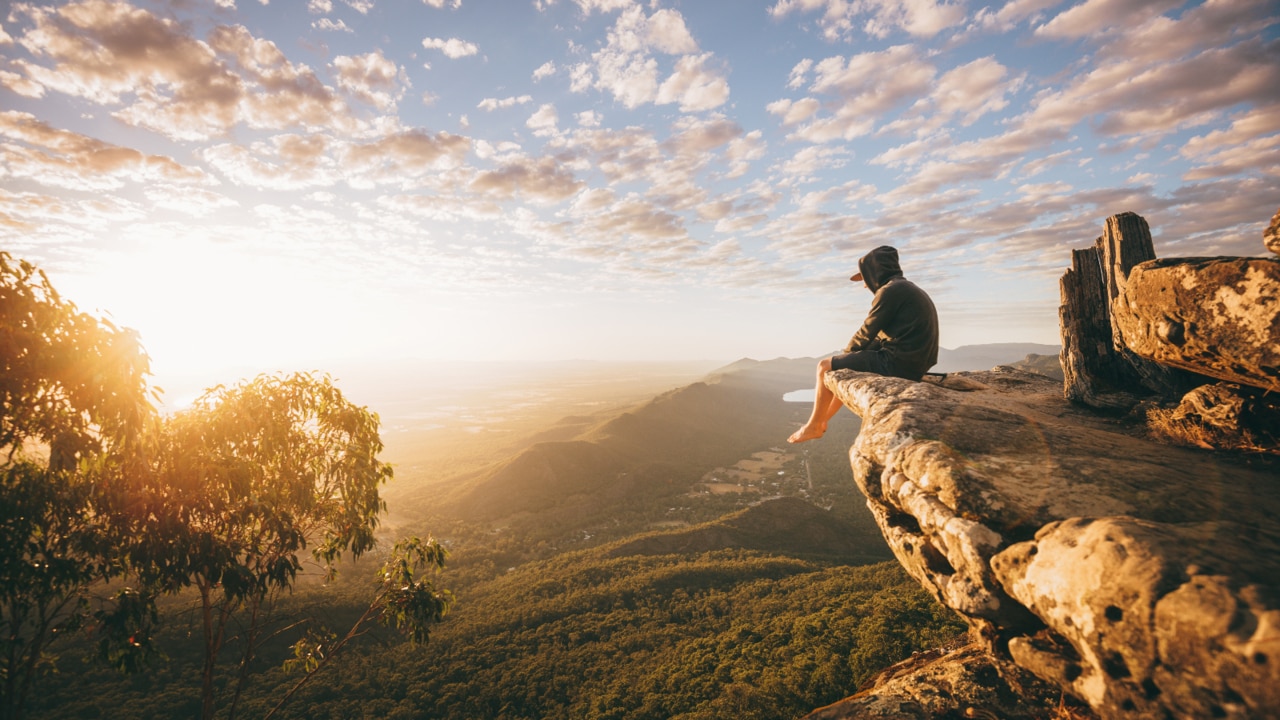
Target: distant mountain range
{"type": "Point", "coordinates": [589, 471]}
{"type": "Point", "coordinates": [985, 357]}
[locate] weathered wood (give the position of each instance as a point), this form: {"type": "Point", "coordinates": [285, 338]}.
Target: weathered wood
{"type": "Point", "coordinates": [1126, 242]}
{"type": "Point", "coordinates": [1271, 236]}
{"type": "Point", "coordinates": [1094, 373]}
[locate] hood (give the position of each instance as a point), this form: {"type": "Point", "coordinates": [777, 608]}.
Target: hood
{"type": "Point", "coordinates": [879, 267]}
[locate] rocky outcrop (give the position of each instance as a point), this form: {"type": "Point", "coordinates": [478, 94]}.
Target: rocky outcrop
{"type": "Point", "coordinates": [1219, 317]}
{"type": "Point", "coordinates": [1222, 415]}
{"type": "Point", "coordinates": [963, 682]}
{"type": "Point", "coordinates": [1140, 578]}
{"type": "Point", "coordinates": [1138, 332]}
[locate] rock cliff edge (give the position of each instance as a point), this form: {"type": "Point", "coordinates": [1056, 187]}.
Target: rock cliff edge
{"type": "Point", "coordinates": [1097, 567]}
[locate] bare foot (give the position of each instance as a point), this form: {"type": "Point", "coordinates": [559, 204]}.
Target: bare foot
{"type": "Point", "coordinates": [806, 433]}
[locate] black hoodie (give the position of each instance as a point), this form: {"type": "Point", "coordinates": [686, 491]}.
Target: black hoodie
{"type": "Point", "coordinates": [902, 323]}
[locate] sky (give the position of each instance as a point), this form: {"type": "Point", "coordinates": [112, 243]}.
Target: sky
{"type": "Point", "coordinates": [282, 185]}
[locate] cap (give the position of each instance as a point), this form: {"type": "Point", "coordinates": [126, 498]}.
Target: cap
{"type": "Point", "coordinates": [857, 277]}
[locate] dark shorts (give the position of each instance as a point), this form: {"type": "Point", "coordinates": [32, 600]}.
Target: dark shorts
{"type": "Point", "coordinates": [862, 361]}
{"type": "Point", "coordinates": [873, 361]}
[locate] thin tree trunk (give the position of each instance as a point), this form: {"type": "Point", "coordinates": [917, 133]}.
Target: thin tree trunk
{"type": "Point", "coordinates": [211, 646]}
{"type": "Point", "coordinates": [352, 633]}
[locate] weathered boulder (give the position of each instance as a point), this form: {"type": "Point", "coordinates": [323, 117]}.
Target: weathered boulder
{"type": "Point", "coordinates": [1271, 236]}
{"type": "Point", "coordinates": [1215, 316]}
{"type": "Point", "coordinates": [1156, 618]}
{"type": "Point", "coordinates": [965, 682]}
{"type": "Point", "coordinates": [985, 488]}
{"type": "Point", "coordinates": [1222, 416]}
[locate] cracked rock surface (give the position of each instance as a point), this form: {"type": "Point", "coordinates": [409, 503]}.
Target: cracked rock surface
{"type": "Point", "coordinates": [1140, 578]}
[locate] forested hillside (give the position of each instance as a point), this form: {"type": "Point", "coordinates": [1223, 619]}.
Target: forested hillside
{"type": "Point", "coordinates": [723, 634]}
{"type": "Point", "coordinates": [668, 559]}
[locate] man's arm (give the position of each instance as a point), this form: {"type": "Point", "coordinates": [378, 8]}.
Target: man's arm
{"type": "Point", "coordinates": [877, 319]}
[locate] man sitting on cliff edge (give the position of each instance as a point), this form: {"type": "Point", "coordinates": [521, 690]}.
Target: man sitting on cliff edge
{"type": "Point", "coordinates": [899, 338]}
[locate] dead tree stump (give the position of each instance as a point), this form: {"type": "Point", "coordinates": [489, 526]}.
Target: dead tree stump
{"type": "Point", "coordinates": [1094, 373]}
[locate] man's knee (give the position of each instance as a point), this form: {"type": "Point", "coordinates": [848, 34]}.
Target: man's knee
{"type": "Point", "coordinates": [824, 366]}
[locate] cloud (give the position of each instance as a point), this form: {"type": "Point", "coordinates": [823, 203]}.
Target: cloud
{"type": "Point", "coordinates": [1012, 13]}
{"type": "Point", "coordinates": [371, 78]}
{"type": "Point", "coordinates": [693, 86]}
{"type": "Point", "coordinates": [1136, 93]}
{"type": "Point", "coordinates": [543, 181]}
{"type": "Point", "coordinates": [799, 73]}
{"type": "Point", "coordinates": [920, 18]}
{"type": "Point", "coordinates": [665, 31]}
{"type": "Point", "coordinates": [632, 79]}
{"type": "Point", "coordinates": [794, 112]}
{"type": "Point", "coordinates": [166, 80]}
{"type": "Point", "coordinates": [808, 161]}
{"type": "Point", "coordinates": [441, 4]}
{"type": "Point", "coordinates": [275, 93]}
{"type": "Point", "coordinates": [968, 91]}
{"type": "Point", "coordinates": [404, 157]}
{"type": "Point", "coordinates": [627, 69]}
{"type": "Point", "coordinates": [105, 52]}
{"type": "Point", "coordinates": [603, 6]}
{"type": "Point", "coordinates": [1096, 16]}
{"type": "Point", "coordinates": [195, 202]}
{"type": "Point", "coordinates": [329, 25]}
{"type": "Point", "coordinates": [543, 122]}
{"type": "Point", "coordinates": [544, 71]}
{"type": "Point", "coordinates": [20, 85]}
{"type": "Point", "coordinates": [33, 221]}
{"type": "Point", "coordinates": [863, 92]}
{"type": "Point", "coordinates": [491, 104]}
{"type": "Point", "coordinates": [319, 7]}
{"type": "Point", "coordinates": [69, 160]}
{"type": "Point", "coordinates": [452, 48]}
{"type": "Point", "coordinates": [1132, 96]}
{"type": "Point", "coordinates": [285, 162]}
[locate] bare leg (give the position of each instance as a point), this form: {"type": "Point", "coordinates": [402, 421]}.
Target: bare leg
{"type": "Point", "coordinates": [825, 406]}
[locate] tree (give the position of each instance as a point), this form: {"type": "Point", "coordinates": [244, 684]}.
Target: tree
{"type": "Point", "coordinates": [73, 396]}
{"type": "Point", "coordinates": [243, 483]}
{"type": "Point", "coordinates": [406, 600]}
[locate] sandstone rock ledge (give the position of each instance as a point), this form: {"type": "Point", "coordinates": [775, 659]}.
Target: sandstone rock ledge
{"type": "Point", "coordinates": [1139, 578]}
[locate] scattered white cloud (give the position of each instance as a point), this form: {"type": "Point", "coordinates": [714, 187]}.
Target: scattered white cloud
{"type": "Point", "coordinates": [1013, 13]}
{"type": "Point", "coordinates": [658, 176]}
{"type": "Point", "coordinates": [839, 18]}
{"type": "Point", "coordinates": [799, 74]}
{"type": "Point", "coordinates": [491, 104]}
{"type": "Point", "coordinates": [544, 71]}
{"type": "Point", "coordinates": [328, 25]}
{"type": "Point", "coordinates": [61, 158]}
{"type": "Point", "coordinates": [602, 6]}
{"type": "Point", "coordinates": [371, 78]}
{"type": "Point", "coordinates": [694, 86]}
{"type": "Point", "coordinates": [1092, 17]}
{"type": "Point", "coordinates": [862, 94]}
{"type": "Point", "coordinates": [543, 122]}
{"type": "Point", "coordinates": [452, 47]}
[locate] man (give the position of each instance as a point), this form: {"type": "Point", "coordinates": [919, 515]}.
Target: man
{"type": "Point", "coordinates": [899, 338]}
